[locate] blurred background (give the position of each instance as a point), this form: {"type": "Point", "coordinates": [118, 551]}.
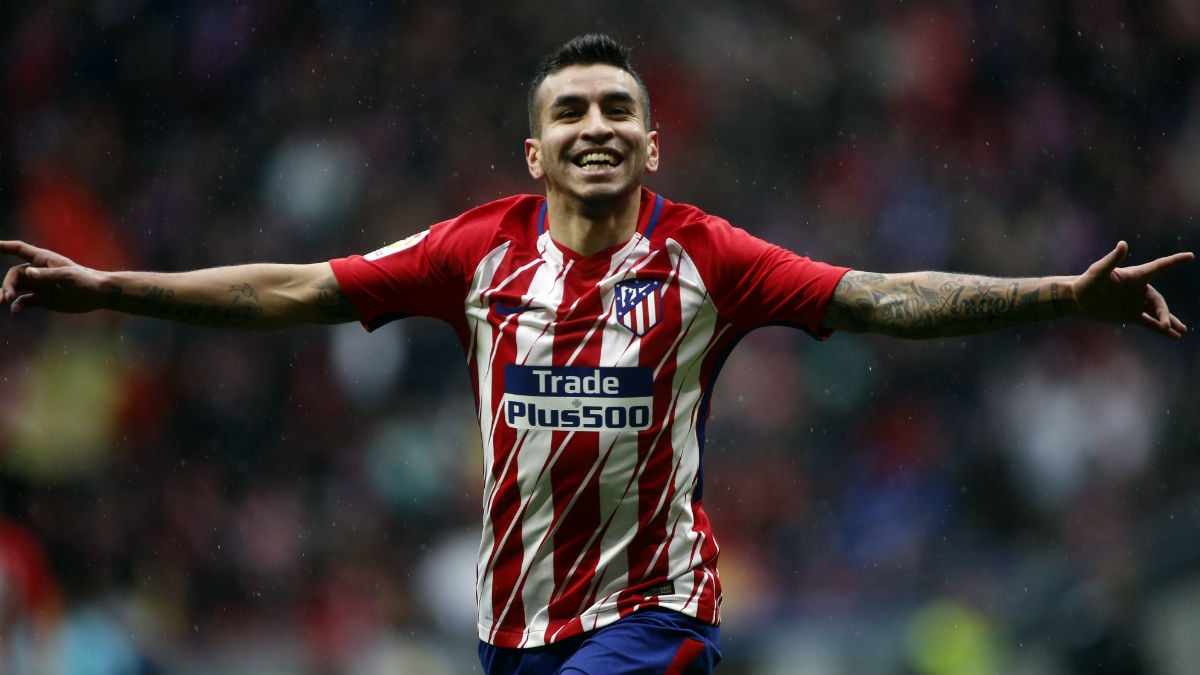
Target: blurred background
{"type": "Point", "coordinates": [185, 500]}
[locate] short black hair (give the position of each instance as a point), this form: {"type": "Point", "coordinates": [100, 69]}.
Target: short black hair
{"type": "Point", "coordinates": [584, 50]}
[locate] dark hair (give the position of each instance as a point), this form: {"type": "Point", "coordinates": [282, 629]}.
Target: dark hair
{"type": "Point", "coordinates": [583, 50]}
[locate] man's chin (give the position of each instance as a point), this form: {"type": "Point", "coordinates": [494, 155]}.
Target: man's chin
{"type": "Point", "coordinates": [596, 195]}
{"type": "Point", "coordinates": [601, 196]}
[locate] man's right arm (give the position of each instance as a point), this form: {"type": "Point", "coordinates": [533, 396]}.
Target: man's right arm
{"type": "Point", "coordinates": [259, 296]}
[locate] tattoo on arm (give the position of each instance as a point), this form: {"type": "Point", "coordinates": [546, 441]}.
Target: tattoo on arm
{"type": "Point", "coordinates": [242, 308]}
{"type": "Point", "coordinates": [333, 304]}
{"type": "Point", "coordinates": [937, 304]}
{"type": "Point", "coordinates": [270, 297]}
{"type": "Point", "coordinates": [853, 301]}
{"type": "Point", "coordinates": [246, 291]}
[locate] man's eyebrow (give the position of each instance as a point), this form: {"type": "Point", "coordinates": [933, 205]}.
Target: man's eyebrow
{"type": "Point", "coordinates": [568, 100]}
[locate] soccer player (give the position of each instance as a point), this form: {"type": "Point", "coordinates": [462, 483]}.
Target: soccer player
{"type": "Point", "coordinates": [594, 320]}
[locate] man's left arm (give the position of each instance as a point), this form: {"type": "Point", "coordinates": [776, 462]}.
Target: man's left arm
{"type": "Point", "coordinates": [943, 304]}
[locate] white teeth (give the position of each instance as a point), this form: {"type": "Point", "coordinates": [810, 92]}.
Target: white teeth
{"type": "Point", "coordinates": [597, 160]}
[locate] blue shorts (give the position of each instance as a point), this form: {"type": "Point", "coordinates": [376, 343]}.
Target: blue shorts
{"type": "Point", "coordinates": [651, 641]}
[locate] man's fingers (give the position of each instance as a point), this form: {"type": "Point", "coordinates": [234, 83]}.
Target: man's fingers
{"type": "Point", "coordinates": [40, 265]}
{"type": "Point", "coordinates": [20, 249]}
{"type": "Point", "coordinates": [1157, 305]}
{"type": "Point", "coordinates": [19, 304]}
{"type": "Point", "coordinates": [22, 282]}
{"type": "Point", "coordinates": [40, 257]}
{"type": "Point", "coordinates": [1179, 326]}
{"type": "Point", "coordinates": [1156, 267]}
{"type": "Point", "coordinates": [8, 290]}
{"type": "Point", "coordinates": [1157, 315]}
{"type": "Point", "coordinates": [8, 247]}
{"type": "Point", "coordinates": [1173, 328]}
{"type": "Point", "coordinates": [1152, 322]}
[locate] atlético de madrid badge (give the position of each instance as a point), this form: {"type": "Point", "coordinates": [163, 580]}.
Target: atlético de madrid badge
{"type": "Point", "coordinates": [638, 304]}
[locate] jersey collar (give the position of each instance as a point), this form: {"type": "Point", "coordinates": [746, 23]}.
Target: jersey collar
{"type": "Point", "coordinates": [651, 209]}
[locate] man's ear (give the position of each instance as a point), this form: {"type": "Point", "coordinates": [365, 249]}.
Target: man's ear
{"type": "Point", "coordinates": [652, 151]}
{"type": "Point", "coordinates": [533, 158]}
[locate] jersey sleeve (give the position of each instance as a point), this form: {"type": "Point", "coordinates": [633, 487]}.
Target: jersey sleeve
{"type": "Point", "coordinates": [426, 274]}
{"type": "Point", "coordinates": [761, 284]}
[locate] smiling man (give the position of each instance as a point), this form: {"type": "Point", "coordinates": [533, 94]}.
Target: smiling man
{"type": "Point", "coordinates": [594, 320]}
{"type": "Point", "coordinates": [592, 145]}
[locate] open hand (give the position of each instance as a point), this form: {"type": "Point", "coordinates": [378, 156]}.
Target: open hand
{"type": "Point", "coordinates": [1124, 295]}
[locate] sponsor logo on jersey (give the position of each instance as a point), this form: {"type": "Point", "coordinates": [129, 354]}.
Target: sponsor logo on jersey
{"type": "Point", "coordinates": [396, 247]}
{"type": "Point", "coordinates": [577, 398]}
{"type": "Point", "coordinates": [638, 304]}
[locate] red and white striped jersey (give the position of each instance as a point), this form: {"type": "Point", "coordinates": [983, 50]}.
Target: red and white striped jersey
{"type": "Point", "coordinates": [592, 378]}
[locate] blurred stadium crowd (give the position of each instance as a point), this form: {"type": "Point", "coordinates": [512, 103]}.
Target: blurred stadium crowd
{"type": "Point", "coordinates": [183, 500]}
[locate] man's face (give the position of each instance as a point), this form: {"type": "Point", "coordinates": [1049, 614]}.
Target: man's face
{"type": "Point", "coordinates": [593, 144]}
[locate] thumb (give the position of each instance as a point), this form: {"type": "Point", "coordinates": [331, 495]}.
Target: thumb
{"type": "Point", "coordinates": [45, 274]}
{"type": "Point", "coordinates": [1109, 262]}
{"type": "Point", "coordinates": [42, 277]}
{"type": "Point", "coordinates": [36, 275]}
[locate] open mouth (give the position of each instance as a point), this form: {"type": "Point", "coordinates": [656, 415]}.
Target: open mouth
{"type": "Point", "coordinates": [597, 161]}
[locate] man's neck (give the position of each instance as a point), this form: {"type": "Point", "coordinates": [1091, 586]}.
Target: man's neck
{"type": "Point", "coordinates": [588, 229]}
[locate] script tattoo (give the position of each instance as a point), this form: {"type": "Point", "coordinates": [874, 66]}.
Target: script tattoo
{"type": "Point", "coordinates": [334, 305]}
{"type": "Point", "coordinates": [245, 291]}
{"type": "Point", "coordinates": [243, 307]}
{"type": "Point", "coordinates": [935, 304]}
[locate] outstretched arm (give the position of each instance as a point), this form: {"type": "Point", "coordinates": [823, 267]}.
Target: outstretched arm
{"type": "Point", "coordinates": [942, 304]}
{"type": "Point", "coordinates": [261, 296]}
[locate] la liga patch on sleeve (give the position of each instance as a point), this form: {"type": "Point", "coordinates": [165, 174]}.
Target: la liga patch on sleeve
{"type": "Point", "coordinates": [396, 247]}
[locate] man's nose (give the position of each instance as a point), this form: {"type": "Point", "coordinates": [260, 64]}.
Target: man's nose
{"type": "Point", "coordinates": [596, 125]}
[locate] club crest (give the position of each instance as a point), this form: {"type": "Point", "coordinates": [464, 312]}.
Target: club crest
{"type": "Point", "coordinates": [638, 304]}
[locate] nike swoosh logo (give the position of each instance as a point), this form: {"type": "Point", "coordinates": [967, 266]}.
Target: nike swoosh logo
{"type": "Point", "coordinates": [505, 309]}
